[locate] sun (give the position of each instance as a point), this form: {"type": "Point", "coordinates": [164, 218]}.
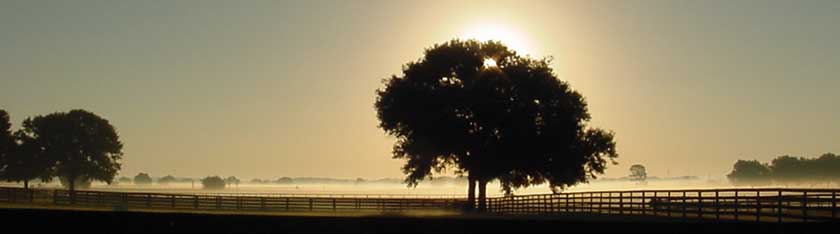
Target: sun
{"type": "Point", "coordinates": [498, 32]}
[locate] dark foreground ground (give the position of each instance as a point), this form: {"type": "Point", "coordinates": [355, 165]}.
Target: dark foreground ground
{"type": "Point", "coordinates": [88, 221]}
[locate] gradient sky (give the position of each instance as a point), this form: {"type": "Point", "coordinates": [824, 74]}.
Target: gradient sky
{"type": "Point", "coordinates": [274, 88]}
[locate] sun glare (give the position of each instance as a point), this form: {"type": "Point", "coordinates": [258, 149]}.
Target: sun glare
{"type": "Point", "coordinates": [498, 32]}
{"type": "Point", "coordinates": [489, 62]}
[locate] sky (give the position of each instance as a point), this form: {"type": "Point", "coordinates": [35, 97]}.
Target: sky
{"type": "Point", "coordinates": [265, 89]}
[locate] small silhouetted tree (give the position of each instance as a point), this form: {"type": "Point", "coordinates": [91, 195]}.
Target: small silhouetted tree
{"type": "Point", "coordinates": [749, 173]}
{"type": "Point", "coordinates": [638, 173]}
{"type": "Point", "coordinates": [142, 179]}
{"type": "Point", "coordinates": [213, 182]}
{"type": "Point", "coordinates": [80, 143]}
{"type": "Point", "coordinates": [124, 180]}
{"type": "Point", "coordinates": [284, 180]}
{"type": "Point", "coordinates": [480, 109]}
{"type": "Point", "coordinates": [167, 179]}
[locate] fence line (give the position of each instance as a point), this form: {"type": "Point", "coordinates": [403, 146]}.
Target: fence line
{"type": "Point", "coordinates": [759, 205]}
{"type": "Point", "coordinates": [124, 200]}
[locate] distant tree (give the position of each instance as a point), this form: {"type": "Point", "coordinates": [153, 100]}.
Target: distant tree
{"type": "Point", "coordinates": [125, 180]}
{"type": "Point", "coordinates": [257, 181]}
{"type": "Point", "coordinates": [142, 179]}
{"type": "Point", "coordinates": [80, 143]}
{"type": "Point", "coordinates": [749, 173]}
{"type": "Point", "coordinates": [7, 141]}
{"type": "Point", "coordinates": [213, 182]}
{"type": "Point", "coordinates": [167, 179]}
{"type": "Point", "coordinates": [827, 167]}
{"type": "Point", "coordinates": [232, 180]}
{"type": "Point", "coordinates": [638, 173]}
{"type": "Point", "coordinates": [284, 180]}
{"type": "Point", "coordinates": [360, 180]}
{"type": "Point", "coordinates": [791, 170]}
{"type": "Point", "coordinates": [480, 109]}
{"type": "Point", "coordinates": [21, 160]}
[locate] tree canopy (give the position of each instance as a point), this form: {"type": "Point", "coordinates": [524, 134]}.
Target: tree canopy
{"type": "Point", "coordinates": [142, 179]}
{"type": "Point", "coordinates": [638, 173]}
{"type": "Point", "coordinates": [213, 182]}
{"type": "Point", "coordinates": [509, 119]}
{"type": "Point", "coordinates": [787, 169]}
{"type": "Point", "coordinates": [78, 143]}
{"type": "Point", "coordinates": [20, 157]}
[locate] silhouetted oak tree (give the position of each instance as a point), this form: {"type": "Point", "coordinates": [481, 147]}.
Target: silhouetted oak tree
{"type": "Point", "coordinates": [638, 173]}
{"type": "Point", "coordinates": [20, 158]}
{"type": "Point", "coordinates": [510, 119]}
{"type": "Point", "coordinates": [79, 143]}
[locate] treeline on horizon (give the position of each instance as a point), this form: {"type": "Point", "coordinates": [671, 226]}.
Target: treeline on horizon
{"type": "Point", "coordinates": [787, 170]}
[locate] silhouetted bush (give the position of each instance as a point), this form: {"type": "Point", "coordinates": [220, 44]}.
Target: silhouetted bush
{"type": "Point", "coordinates": [213, 182]}
{"type": "Point", "coordinates": [167, 179]}
{"type": "Point", "coordinates": [787, 170]}
{"type": "Point", "coordinates": [142, 179]}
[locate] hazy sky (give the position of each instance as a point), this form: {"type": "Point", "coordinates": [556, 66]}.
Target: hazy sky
{"type": "Point", "coordinates": [274, 88]}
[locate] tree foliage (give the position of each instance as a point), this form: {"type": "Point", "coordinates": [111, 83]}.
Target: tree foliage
{"type": "Point", "coordinates": [167, 179]}
{"type": "Point", "coordinates": [20, 157]}
{"type": "Point", "coordinates": [788, 169]}
{"type": "Point", "coordinates": [78, 144]}
{"type": "Point", "coordinates": [514, 121]}
{"type": "Point", "coordinates": [142, 179]}
{"type": "Point", "coordinates": [638, 173]}
{"type": "Point", "coordinates": [213, 182]}
{"type": "Point", "coordinates": [749, 173]}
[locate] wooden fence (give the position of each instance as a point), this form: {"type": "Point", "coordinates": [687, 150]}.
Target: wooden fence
{"type": "Point", "coordinates": [760, 205]}
{"type": "Point", "coordinates": [274, 202]}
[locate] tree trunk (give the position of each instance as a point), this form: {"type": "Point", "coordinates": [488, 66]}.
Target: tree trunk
{"type": "Point", "coordinates": [470, 193]}
{"type": "Point", "coordinates": [71, 180]}
{"type": "Point", "coordinates": [482, 195]}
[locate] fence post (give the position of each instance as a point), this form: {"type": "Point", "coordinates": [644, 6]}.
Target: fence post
{"type": "Point", "coordinates": [195, 201]}
{"type": "Point", "coordinates": [55, 197]}
{"type": "Point", "coordinates": [700, 205]}
{"type": "Point", "coordinates": [173, 201]}
{"type": "Point", "coordinates": [621, 203]}
{"type": "Point", "coordinates": [643, 204]}
{"type": "Point", "coordinates": [779, 204]}
{"type": "Point", "coordinates": [148, 200]}
{"type": "Point", "coordinates": [758, 206]}
{"type": "Point", "coordinates": [287, 204]}
{"type": "Point", "coordinates": [310, 204]}
{"type": "Point", "coordinates": [684, 205]}
{"type": "Point", "coordinates": [567, 203]}
{"type": "Point", "coordinates": [262, 203]}
{"type": "Point", "coordinates": [736, 204]}
{"type": "Point", "coordinates": [31, 195]}
{"type": "Point", "coordinates": [834, 205]}
{"type": "Point", "coordinates": [805, 206]}
{"type": "Point", "coordinates": [717, 205]}
{"type": "Point", "coordinates": [333, 204]}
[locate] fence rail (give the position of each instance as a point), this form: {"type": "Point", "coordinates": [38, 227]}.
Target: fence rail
{"type": "Point", "coordinates": [760, 205]}
{"type": "Point", "coordinates": [124, 200]}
